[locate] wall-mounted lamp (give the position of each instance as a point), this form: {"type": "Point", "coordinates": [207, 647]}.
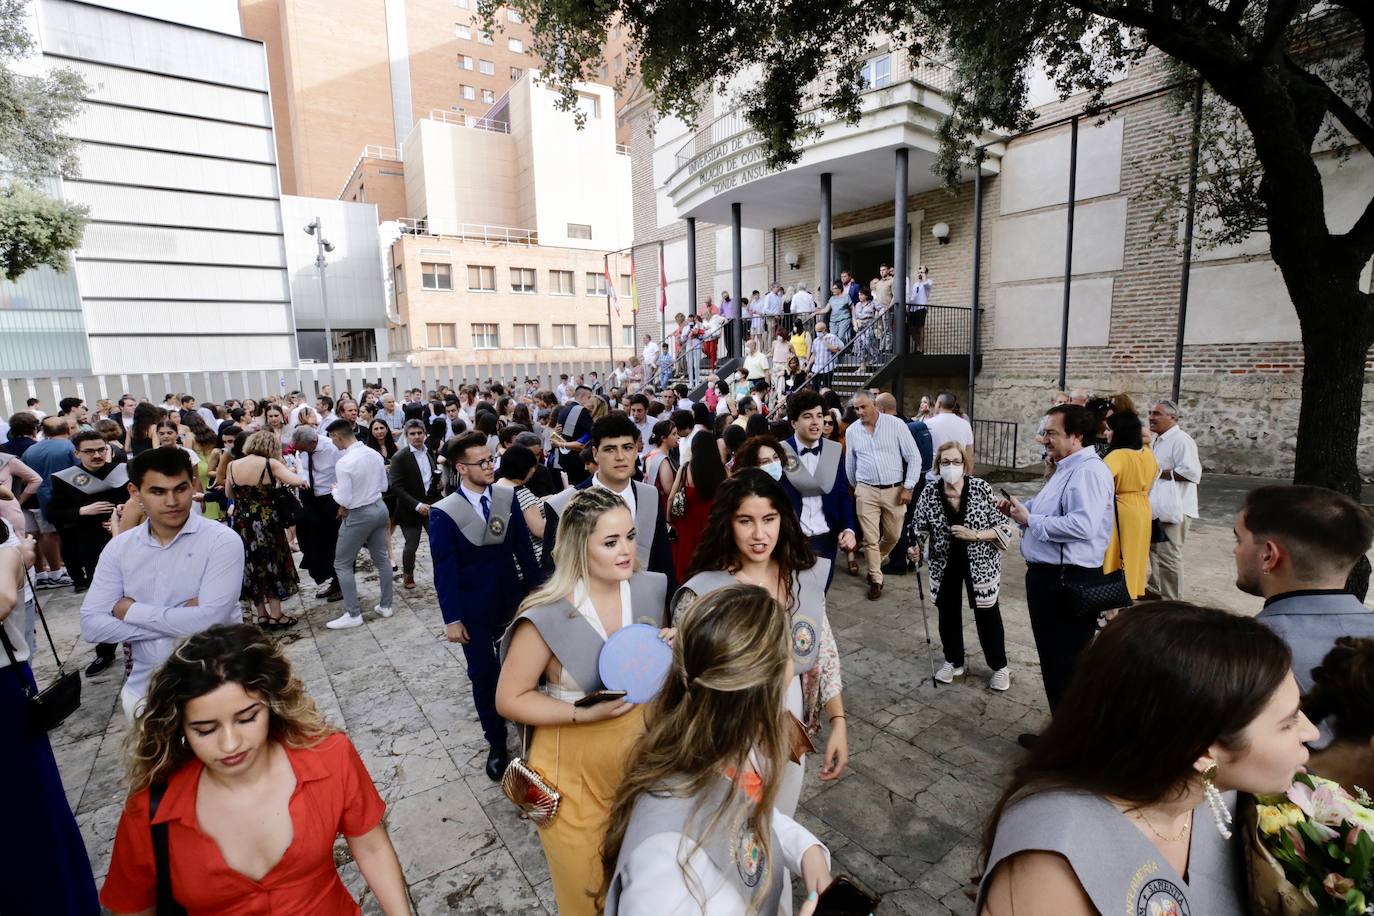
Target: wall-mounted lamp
{"type": "Point", "coordinates": [791, 260]}
{"type": "Point", "coordinates": [941, 233]}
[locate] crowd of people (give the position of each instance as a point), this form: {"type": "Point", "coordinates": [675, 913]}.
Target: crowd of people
{"type": "Point", "coordinates": [558, 518]}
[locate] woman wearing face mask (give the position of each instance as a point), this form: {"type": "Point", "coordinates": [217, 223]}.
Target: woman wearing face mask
{"type": "Point", "coordinates": [966, 535]}
{"type": "Point", "coordinates": [753, 536]}
{"type": "Point", "coordinates": [762, 452]}
{"type": "Point", "coordinates": [253, 788]}
{"type": "Point", "coordinates": [549, 662]}
{"type": "Point", "coordinates": [1126, 798]}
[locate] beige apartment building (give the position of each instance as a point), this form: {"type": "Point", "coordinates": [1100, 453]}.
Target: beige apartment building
{"type": "Point", "coordinates": [352, 75]}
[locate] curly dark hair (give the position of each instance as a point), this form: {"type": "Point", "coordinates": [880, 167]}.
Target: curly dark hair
{"type": "Point", "coordinates": [718, 550]}
{"type": "Point", "coordinates": [747, 455]}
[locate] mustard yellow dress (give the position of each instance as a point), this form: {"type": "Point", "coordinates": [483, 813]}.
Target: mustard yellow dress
{"type": "Point", "coordinates": [1134, 471]}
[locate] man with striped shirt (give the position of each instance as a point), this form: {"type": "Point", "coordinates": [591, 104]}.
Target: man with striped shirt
{"type": "Point", "coordinates": [884, 466]}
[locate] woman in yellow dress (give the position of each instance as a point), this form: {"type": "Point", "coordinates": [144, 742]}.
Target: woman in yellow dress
{"type": "Point", "coordinates": [1134, 470]}
{"type": "Point", "coordinates": [549, 662]}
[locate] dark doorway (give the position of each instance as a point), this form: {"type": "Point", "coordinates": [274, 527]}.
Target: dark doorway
{"type": "Point", "coordinates": [862, 255]}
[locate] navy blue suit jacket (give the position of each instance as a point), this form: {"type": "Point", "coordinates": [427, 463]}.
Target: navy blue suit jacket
{"type": "Point", "coordinates": [660, 551]}
{"type": "Point", "coordinates": [478, 586]}
{"type": "Point", "coordinates": [837, 503]}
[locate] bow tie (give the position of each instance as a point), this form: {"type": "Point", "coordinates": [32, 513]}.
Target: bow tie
{"type": "Point", "coordinates": [814, 450]}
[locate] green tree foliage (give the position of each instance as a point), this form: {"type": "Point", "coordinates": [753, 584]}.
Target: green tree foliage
{"type": "Point", "coordinates": [1287, 81]}
{"type": "Point", "coordinates": [34, 228]}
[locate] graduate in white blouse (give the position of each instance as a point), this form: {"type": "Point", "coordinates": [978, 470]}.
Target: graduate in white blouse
{"type": "Point", "coordinates": [693, 829]}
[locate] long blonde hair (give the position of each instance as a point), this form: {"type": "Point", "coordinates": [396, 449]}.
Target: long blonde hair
{"type": "Point", "coordinates": [722, 700]}
{"type": "Point", "coordinates": [229, 653]}
{"type": "Point", "coordinates": [575, 528]}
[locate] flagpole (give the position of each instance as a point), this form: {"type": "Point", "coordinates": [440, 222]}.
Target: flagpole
{"type": "Point", "coordinates": [662, 297]}
{"type": "Point", "coordinates": [610, 325]}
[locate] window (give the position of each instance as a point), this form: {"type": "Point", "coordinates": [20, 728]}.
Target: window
{"type": "Point", "coordinates": [484, 38]}
{"type": "Point", "coordinates": [516, 73]}
{"type": "Point", "coordinates": [441, 335]}
{"type": "Point", "coordinates": [877, 72]}
{"type": "Point", "coordinates": [617, 63]}
{"type": "Point", "coordinates": [486, 67]}
{"type": "Point", "coordinates": [515, 45]}
{"type": "Point", "coordinates": [489, 96]}
{"type": "Point", "coordinates": [561, 282]}
{"type": "Point", "coordinates": [615, 32]}
{"type": "Point", "coordinates": [481, 279]}
{"type": "Point", "coordinates": [605, 72]}
{"type": "Point", "coordinates": [461, 4]}
{"type": "Point", "coordinates": [400, 279]}
{"type": "Point", "coordinates": [627, 335]}
{"type": "Point", "coordinates": [522, 280]}
{"type": "Point", "coordinates": [579, 231]}
{"type": "Point", "coordinates": [513, 16]}
{"type": "Point", "coordinates": [600, 335]}
{"type": "Point", "coordinates": [462, 31]}
{"type": "Point", "coordinates": [589, 105]}
{"type": "Point", "coordinates": [465, 62]}
{"type": "Point", "coordinates": [436, 276]}
{"type": "Point", "coordinates": [469, 93]}
{"type": "Point", "coordinates": [596, 284]}
{"type": "Point", "coordinates": [565, 335]}
{"type": "Point", "coordinates": [624, 284]}
{"type": "Point", "coordinates": [527, 336]}
{"type": "Point", "coordinates": [484, 337]}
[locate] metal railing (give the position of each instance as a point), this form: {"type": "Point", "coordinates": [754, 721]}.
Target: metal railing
{"type": "Point", "coordinates": [870, 344]}
{"type": "Point", "coordinates": [389, 153]}
{"type": "Point", "coordinates": [461, 120]}
{"type": "Point", "coordinates": [473, 232]}
{"type": "Point", "coordinates": [622, 149]}
{"type": "Point", "coordinates": [995, 443]}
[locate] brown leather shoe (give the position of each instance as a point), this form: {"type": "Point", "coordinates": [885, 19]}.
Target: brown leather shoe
{"type": "Point", "coordinates": [853, 566]}
{"type": "Point", "coordinates": [875, 590]}
{"type": "Point", "coordinates": [408, 582]}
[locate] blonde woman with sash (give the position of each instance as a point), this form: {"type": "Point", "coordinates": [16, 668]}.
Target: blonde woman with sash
{"type": "Point", "coordinates": [695, 828]}
{"type": "Point", "coordinates": [753, 536]}
{"type": "Point", "coordinates": [549, 662]}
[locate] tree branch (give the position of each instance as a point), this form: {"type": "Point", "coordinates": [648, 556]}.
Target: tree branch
{"type": "Point", "coordinates": [1276, 21]}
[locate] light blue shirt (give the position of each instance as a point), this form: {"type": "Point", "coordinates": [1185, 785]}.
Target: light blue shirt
{"type": "Point", "coordinates": [1073, 511]}
{"type": "Point", "coordinates": [204, 561]}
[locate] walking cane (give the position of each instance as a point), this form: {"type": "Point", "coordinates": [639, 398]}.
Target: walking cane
{"type": "Point", "coordinates": [921, 596]}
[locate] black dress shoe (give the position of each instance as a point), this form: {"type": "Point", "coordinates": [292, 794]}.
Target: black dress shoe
{"type": "Point", "coordinates": [1027, 740]}
{"type": "Point", "coordinates": [330, 588]}
{"type": "Point", "coordinates": [79, 587]}
{"type": "Point", "coordinates": [496, 763]}
{"type": "Point", "coordinates": [100, 664]}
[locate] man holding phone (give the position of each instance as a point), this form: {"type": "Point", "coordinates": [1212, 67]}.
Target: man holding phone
{"type": "Point", "coordinates": [918, 296]}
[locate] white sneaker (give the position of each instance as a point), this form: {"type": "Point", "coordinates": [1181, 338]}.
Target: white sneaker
{"type": "Point", "coordinates": [345, 621]}
{"type": "Point", "coordinates": [384, 610]}
{"type": "Point", "coordinates": [1001, 679]}
{"type": "Point", "coordinates": [60, 580]}
{"type": "Point", "coordinates": [43, 581]}
{"type": "Point", "coordinates": [948, 673]}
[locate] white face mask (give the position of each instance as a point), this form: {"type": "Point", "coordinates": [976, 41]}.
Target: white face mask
{"type": "Point", "coordinates": [773, 469]}
{"type": "Point", "coordinates": [952, 474]}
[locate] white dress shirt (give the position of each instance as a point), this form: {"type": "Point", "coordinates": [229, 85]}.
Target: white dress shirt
{"type": "Point", "coordinates": [1175, 450]}
{"type": "Point", "coordinates": [812, 514]}
{"type": "Point", "coordinates": [203, 562]}
{"type": "Point", "coordinates": [627, 494]}
{"type": "Point", "coordinates": [476, 498]}
{"type": "Point", "coordinates": [361, 473]}
{"type": "Point", "coordinates": [803, 303]}
{"type": "Point", "coordinates": [320, 463]}
{"type": "Point", "coordinates": [426, 469]}
{"type": "Point", "coordinates": [877, 458]}
{"type": "Point", "coordinates": [650, 354]}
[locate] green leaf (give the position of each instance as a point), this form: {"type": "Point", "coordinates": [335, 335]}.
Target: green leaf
{"type": "Point", "coordinates": [36, 230]}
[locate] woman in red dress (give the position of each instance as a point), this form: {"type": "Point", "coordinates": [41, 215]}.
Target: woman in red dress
{"type": "Point", "coordinates": [253, 788]}
{"type": "Point", "coordinates": [698, 478]}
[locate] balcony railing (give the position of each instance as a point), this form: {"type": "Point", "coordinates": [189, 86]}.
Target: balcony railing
{"type": "Point", "coordinates": [462, 120]}
{"type": "Point", "coordinates": [389, 153]}
{"type": "Point", "coordinates": [472, 232]}
{"type": "Point", "coordinates": [622, 150]}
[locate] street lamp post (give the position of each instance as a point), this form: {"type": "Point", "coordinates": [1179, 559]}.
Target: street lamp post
{"type": "Point", "coordinates": [321, 246]}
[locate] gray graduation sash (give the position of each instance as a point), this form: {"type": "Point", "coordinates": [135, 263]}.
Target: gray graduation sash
{"type": "Point", "coordinates": [78, 478]}
{"type": "Point", "coordinates": [732, 846]}
{"type": "Point", "coordinates": [646, 515]}
{"type": "Point", "coordinates": [1115, 863]}
{"type": "Point", "coordinates": [806, 617]}
{"type": "Point", "coordinates": [802, 480]}
{"type": "Point", "coordinates": [480, 532]}
{"type": "Point", "coordinates": [569, 425]}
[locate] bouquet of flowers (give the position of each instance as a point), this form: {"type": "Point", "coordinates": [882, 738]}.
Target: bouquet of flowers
{"type": "Point", "coordinates": [1312, 851]}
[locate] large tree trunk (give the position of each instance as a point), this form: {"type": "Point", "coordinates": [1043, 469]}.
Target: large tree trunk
{"type": "Point", "coordinates": [1334, 354]}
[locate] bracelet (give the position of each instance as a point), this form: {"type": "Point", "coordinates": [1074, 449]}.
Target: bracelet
{"type": "Point", "coordinates": [574, 719]}
{"type": "Point", "coordinates": [840, 716]}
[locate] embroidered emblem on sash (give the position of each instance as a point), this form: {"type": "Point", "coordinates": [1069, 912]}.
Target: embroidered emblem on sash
{"type": "Point", "coordinates": [803, 638]}
{"type": "Point", "coordinates": [81, 479]}
{"type": "Point", "coordinates": [792, 463]}
{"type": "Point", "coordinates": [750, 860]}
{"type": "Point", "coordinates": [1160, 897]}
{"type": "Point", "coordinates": [497, 526]}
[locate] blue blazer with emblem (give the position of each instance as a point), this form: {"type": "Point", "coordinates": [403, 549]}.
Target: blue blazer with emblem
{"type": "Point", "coordinates": [479, 585]}
{"type": "Point", "coordinates": [837, 503]}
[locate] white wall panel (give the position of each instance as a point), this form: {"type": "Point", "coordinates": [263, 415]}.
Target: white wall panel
{"type": "Point", "coordinates": [1032, 246]}
{"type": "Point", "coordinates": [1242, 302]}
{"type": "Point", "coordinates": [104, 123]}
{"type": "Point", "coordinates": [153, 243]}
{"type": "Point", "coordinates": [181, 353]}
{"type": "Point", "coordinates": [116, 279]}
{"type": "Point", "coordinates": [167, 93]}
{"type": "Point", "coordinates": [95, 33]}
{"type": "Point", "coordinates": [175, 170]}
{"type": "Point", "coordinates": [1032, 315]}
{"type": "Point", "coordinates": [1035, 171]}
{"type": "Point", "coordinates": [174, 208]}
{"type": "Point", "coordinates": [187, 317]}
{"type": "Point", "coordinates": [753, 244]}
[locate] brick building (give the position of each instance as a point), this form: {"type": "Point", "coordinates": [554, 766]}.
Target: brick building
{"type": "Point", "coordinates": [1242, 357]}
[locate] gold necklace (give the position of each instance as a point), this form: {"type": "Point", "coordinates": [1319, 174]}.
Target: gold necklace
{"type": "Point", "coordinates": [1187, 825]}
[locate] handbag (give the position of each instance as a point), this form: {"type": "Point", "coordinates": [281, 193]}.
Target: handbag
{"type": "Point", "coordinates": [285, 504]}
{"type": "Point", "coordinates": [536, 797]}
{"type": "Point", "coordinates": [1157, 533]}
{"type": "Point", "coordinates": [162, 867]}
{"type": "Point", "coordinates": [1166, 503]}
{"type": "Point", "coordinates": [48, 708]}
{"type": "Point", "coordinates": [677, 505]}
{"type": "Point", "coordinates": [1093, 593]}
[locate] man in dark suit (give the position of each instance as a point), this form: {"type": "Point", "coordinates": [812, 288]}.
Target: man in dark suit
{"type": "Point", "coordinates": [574, 422]}
{"type": "Point", "coordinates": [476, 538]}
{"type": "Point", "coordinates": [414, 479]}
{"type": "Point", "coordinates": [615, 443]}
{"type": "Point", "coordinates": [815, 481]}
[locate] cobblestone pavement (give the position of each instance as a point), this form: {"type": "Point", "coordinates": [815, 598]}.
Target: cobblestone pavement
{"type": "Point", "coordinates": [925, 765]}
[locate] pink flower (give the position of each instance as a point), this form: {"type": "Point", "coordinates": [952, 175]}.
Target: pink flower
{"type": "Point", "coordinates": [1336, 885]}
{"type": "Point", "coordinates": [1323, 806]}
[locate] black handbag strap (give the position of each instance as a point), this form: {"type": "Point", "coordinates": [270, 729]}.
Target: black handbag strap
{"type": "Point", "coordinates": [1116, 513]}
{"type": "Point", "coordinates": [166, 903]}
{"type": "Point", "coordinates": [43, 619]}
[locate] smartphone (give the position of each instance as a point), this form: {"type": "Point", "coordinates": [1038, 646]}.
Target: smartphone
{"type": "Point", "coordinates": [844, 897]}
{"type": "Point", "coordinates": [601, 696]}
{"type": "Point", "coordinates": [1005, 495]}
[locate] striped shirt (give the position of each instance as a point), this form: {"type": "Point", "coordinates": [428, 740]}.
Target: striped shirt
{"type": "Point", "coordinates": [885, 456]}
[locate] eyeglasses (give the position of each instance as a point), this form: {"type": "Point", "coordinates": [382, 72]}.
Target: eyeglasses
{"type": "Point", "coordinates": [93, 452]}
{"type": "Point", "coordinates": [483, 464]}
{"type": "Point", "coordinates": [951, 464]}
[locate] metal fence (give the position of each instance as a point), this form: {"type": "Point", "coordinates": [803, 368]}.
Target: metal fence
{"type": "Point", "coordinates": [995, 443]}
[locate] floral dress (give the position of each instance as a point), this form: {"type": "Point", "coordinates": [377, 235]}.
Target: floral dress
{"type": "Point", "coordinates": [268, 570]}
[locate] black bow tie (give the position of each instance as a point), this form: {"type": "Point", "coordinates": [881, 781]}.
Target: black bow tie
{"type": "Point", "coordinates": [814, 450]}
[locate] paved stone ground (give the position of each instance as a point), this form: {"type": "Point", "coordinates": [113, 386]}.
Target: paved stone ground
{"type": "Point", "coordinates": [925, 765]}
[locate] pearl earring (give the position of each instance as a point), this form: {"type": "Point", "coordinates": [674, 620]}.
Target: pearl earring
{"type": "Point", "coordinates": [1220, 813]}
